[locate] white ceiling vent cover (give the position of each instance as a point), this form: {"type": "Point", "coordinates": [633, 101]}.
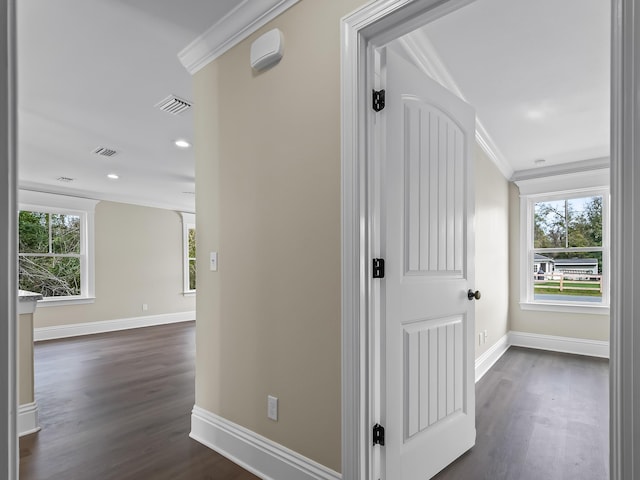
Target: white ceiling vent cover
{"type": "Point", "coordinates": [104, 151]}
{"type": "Point", "coordinates": [173, 105]}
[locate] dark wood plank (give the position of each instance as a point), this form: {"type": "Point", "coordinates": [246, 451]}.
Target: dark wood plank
{"type": "Point", "coordinates": [539, 415]}
{"type": "Point", "coordinates": [117, 406]}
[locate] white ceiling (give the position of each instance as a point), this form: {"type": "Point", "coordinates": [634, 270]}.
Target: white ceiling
{"type": "Point", "coordinates": [537, 73]}
{"type": "Point", "coordinates": [89, 74]}
{"type": "Point", "coordinates": [91, 71]}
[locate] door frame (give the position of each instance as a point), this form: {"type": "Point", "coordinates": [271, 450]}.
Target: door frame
{"type": "Point", "coordinates": [376, 24]}
{"type": "Point", "coordinates": [8, 243]}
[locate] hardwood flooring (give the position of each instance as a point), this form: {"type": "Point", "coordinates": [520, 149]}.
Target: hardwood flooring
{"type": "Point", "coordinates": [539, 416]}
{"type": "Point", "coordinates": [117, 406]}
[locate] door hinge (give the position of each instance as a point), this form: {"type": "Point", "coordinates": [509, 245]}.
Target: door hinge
{"type": "Point", "coordinates": [378, 268]}
{"type": "Point", "coordinates": [378, 100]}
{"type": "Point", "coordinates": [378, 434]}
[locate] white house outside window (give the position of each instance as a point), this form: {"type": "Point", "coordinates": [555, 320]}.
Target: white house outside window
{"type": "Point", "coordinates": [565, 244]}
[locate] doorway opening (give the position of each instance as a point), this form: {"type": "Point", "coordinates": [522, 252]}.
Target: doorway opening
{"type": "Point", "coordinates": [363, 71]}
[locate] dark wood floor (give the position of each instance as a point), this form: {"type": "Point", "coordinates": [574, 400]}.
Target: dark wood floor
{"type": "Point", "coordinates": [539, 416]}
{"type": "Point", "coordinates": [117, 406]}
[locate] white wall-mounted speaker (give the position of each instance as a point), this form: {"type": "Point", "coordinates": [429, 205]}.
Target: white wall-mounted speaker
{"type": "Point", "coordinates": [267, 50]}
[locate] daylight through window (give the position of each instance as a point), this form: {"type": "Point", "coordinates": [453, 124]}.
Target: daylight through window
{"type": "Point", "coordinates": [568, 253]}
{"type": "Point", "coordinates": [50, 253]}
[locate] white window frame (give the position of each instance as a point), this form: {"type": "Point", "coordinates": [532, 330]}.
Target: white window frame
{"type": "Point", "coordinates": [188, 222]}
{"type": "Point", "coordinates": [85, 209]}
{"type": "Point", "coordinates": [559, 187]}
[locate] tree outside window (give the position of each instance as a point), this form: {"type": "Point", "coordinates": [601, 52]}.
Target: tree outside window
{"type": "Point", "coordinates": [568, 250]}
{"type": "Point", "coordinates": [191, 236]}
{"type": "Point", "coordinates": [50, 253]}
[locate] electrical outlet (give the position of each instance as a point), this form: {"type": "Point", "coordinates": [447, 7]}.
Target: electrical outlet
{"type": "Point", "coordinates": [272, 408]}
{"type": "Point", "coordinates": [145, 307]}
{"type": "Point", "coordinates": [485, 335]}
{"type": "Point", "coordinates": [213, 261]}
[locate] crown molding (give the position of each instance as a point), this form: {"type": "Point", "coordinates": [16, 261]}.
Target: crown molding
{"type": "Point", "coordinates": [417, 45]}
{"type": "Point", "coordinates": [562, 169]}
{"type": "Point", "coordinates": [101, 196]}
{"type": "Point", "coordinates": [230, 30]}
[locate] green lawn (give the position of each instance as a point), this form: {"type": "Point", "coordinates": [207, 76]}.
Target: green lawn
{"type": "Point", "coordinates": [578, 288]}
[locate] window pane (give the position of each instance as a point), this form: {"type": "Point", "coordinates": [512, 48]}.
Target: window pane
{"type": "Point", "coordinates": [192, 243]}
{"type": "Point", "coordinates": [585, 222]}
{"type": "Point", "coordinates": [192, 274]}
{"type": "Point", "coordinates": [33, 231]}
{"type": "Point", "coordinates": [65, 233]}
{"type": "Point", "coordinates": [549, 225]}
{"type": "Point", "coordinates": [575, 222]}
{"type": "Point", "coordinates": [50, 276]}
{"type": "Point", "coordinates": [568, 277]}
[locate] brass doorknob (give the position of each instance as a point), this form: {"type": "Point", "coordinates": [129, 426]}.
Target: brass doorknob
{"type": "Point", "coordinates": [473, 295]}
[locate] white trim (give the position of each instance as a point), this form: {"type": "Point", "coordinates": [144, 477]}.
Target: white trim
{"type": "Point", "coordinates": [85, 208]}
{"type": "Point", "coordinates": [8, 243]}
{"type": "Point", "coordinates": [577, 346]}
{"type": "Point", "coordinates": [562, 169]}
{"type": "Point", "coordinates": [90, 328]}
{"type": "Point", "coordinates": [64, 301]}
{"type": "Point", "coordinates": [188, 222]}
{"type": "Point", "coordinates": [107, 197]}
{"type": "Point", "coordinates": [566, 182]}
{"type": "Point", "coordinates": [230, 30]}
{"type": "Point", "coordinates": [28, 419]}
{"type": "Point", "coordinates": [596, 309]}
{"type": "Point", "coordinates": [485, 361]}
{"type": "Point", "coordinates": [624, 432]}
{"type": "Point", "coordinates": [255, 453]}
{"type": "Point", "coordinates": [560, 187]}
{"type": "Point", "coordinates": [418, 46]}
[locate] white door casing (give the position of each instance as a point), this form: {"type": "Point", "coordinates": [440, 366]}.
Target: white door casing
{"type": "Point", "coordinates": [427, 241]}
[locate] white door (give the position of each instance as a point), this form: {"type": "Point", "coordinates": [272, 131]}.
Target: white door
{"type": "Point", "coordinates": [428, 396]}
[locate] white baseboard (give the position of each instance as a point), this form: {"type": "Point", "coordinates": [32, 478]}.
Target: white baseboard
{"type": "Point", "coordinates": [255, 453]}
{"type": "Point", "coordinates": [89, 328]}
{"type": "Point", "coordinates": [28, 419]}
{"type": "Point", "coordinates": [577, 346]}
{"type": "Point", "coordinates": [485, 361]}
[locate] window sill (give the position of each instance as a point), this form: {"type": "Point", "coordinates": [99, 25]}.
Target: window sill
{"type": "Point", "coordinates": [59, 302]}
{"type": "Point", "coordinates": [190, 293]}
{"type": "Point", "coordinates": [565, 308]}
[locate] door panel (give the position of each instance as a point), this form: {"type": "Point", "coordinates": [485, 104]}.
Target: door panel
{"type": "Point", "coordinates": [428, 393]}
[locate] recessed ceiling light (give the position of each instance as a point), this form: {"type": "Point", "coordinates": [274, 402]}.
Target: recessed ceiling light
{"type": "Point", "coordinates": [535, 114]}
{"type": "Point", "coordinates": [181, 143]}
{"type": "Point", "coordinates": [113, 176]}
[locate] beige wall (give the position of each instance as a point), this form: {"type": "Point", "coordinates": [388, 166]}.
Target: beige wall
{"type": "Point", "coordinates": [25, 359]}
{"type": "Point", "coordinates": [492, 247]}
{"type": "Point", "coordinates": [138, 259]}
{"type": "Point", "coordinates": [268, 200]}
{"type": "Point", "coordinates": [591, 327]}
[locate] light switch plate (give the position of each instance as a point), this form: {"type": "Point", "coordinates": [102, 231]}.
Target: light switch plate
{"type": "Point", "coordinates": [213, 261]}
{"type": "Point", "coordinates": [272, 408]}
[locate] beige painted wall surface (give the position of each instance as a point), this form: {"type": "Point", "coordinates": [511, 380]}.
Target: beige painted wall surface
{"type": "Point", "coordinates": [138, 259]}
{"type": "Point", "coordinates": [492, 252]}
{"type": "Point", "coordinates": [590, 327]}
{"type": "Point", "coordinates": [268, 200]}
{"type": "Point", "coordinates": [25, 358]}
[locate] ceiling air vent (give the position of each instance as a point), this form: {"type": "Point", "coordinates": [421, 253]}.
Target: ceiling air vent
{"type": "Point", "coordinates": [65, 179]}
{"type": "Point", "coordinates": [173, 105]}
{"type": "Point", "coordinates": [104, 151]}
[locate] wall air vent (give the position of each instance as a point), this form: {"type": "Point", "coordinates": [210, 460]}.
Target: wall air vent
{"type": "Point", "coordinates": [104, 151]}
{"type": "Point", "coordinates": [173, 105]}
